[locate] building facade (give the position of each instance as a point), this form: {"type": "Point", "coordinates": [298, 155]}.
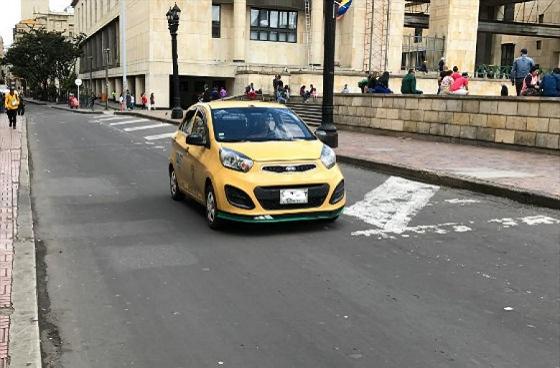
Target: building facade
{"type": "Point", "coordinates": [236, 42]}
{"type": "Point", "coordinates": [49, 21]}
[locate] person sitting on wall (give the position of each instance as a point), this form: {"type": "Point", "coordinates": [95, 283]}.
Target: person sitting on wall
{"type": "Point", "coordinates": [504, 91]}
{"type": "Point", "coordinates": [250, 92]}
{"type": "Point", "coordinates": [531, 85]}
{"type": "Point", "coordinates": [383, 84]}
{"type": "Point", "coordinates": [460, 86]}
{"type": "Point", "coordinates": [371, 83]}
{"type": "Point", "coordinates": [304, 94]}
{"type": "Point", "coordinates": [446, 83]}
{"type": "Point", "coordinates": [408, 85]}
{"type": "Point", "coordinates": [423, 67]}
{"type": "Point", "coordinates": [214, 94]}
{"type": "Point", "coordinates": [313, 92]}
{"type": "Point", "coordinates": [550, 84]}
{"type": "Point", "coordinates": [456, 73]}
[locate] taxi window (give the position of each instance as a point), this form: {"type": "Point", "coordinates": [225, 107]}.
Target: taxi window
{"type": "Point", "coordinates": [186, 125]}
{"type": "Point", "coordinates": [199, 126]}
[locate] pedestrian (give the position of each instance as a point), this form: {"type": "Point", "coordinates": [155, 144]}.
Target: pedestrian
{"type": "Point", "coordinates": [11, 103]}
{"type": "Point", "coordinates": [446, 82]}
{"type": "Point", "coordinates": [531, 85]}
{"type": "Point", "coordinates": [441, 64]}
{"type": "Point", "coordinates": [223, 92]}
{"type": "Point", "coordinates": [114, 96]}
{"type": "Point", "coordinates": [423, 67]}
{"type": "Point", "coordinates": [2, 108]}
{"type": "Point", "coordinates": [313, 92]}
{"type": "Point", "coordinates": [21, 107]}
{"type": "Point", "coordinates": [384, 80]}
{"type": "Point", "coordinates": [121, 102]}
{"type": "Point", "coordinates": [455, 73]}
{"type": "Point", "coordinates": [132, 102]}
{"type": "Point", "coordinates": [345, 89]}
{"type": "Point", "coordinates": [408, 85]}
{"type": "Point", "coordinates": [214, 94]}
{"type": "Point", "coordinates": [442, 75]}
{"type": "Point", "coordinates": [144, 100]}
{"type": "Point", "coordinates": [372, 82]}
{"type": "Point", "coordinates": [128, 99]}
{"type": "Point", "coordinates": [521, 67]}
{"type": "Point", "coordinates": [152, 101]}
{"type": "Point", "coordinates": [460, 85]}
{"type": "Point", "coordinates": [550, 84]}
{"type": "Point", "coordinates": [504, 91]}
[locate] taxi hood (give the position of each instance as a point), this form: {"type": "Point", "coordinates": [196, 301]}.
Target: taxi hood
{"type": "Point", "coordinates": [279, 151]}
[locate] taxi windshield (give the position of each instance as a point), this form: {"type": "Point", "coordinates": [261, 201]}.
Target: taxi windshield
{"type": "Point", "coordinates": [258, 124]}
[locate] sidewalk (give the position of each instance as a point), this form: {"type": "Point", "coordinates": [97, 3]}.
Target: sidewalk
{"type": "Point", "coordinates": [19, 327]}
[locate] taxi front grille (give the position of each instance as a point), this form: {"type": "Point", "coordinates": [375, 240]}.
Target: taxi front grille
{"type": "Point", "coordinates": [289, 168]}
{"type": "Point", "coordinates": [269, 197]}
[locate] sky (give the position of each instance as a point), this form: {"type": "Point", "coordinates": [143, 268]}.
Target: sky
{"type": "Point", "coordinates": [11, 14]}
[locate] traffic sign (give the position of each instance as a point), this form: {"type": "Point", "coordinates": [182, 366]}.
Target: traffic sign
{"type": "Point", "coordinates": [78, 82]}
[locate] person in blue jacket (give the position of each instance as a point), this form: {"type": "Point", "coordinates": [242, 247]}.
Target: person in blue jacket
{"type": "Point", "coordinates": [550, 84]}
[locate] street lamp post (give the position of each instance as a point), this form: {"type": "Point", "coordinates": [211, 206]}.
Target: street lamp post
{"type": "Point", "coordinates": [327, 131]}
{"type": "Point", "coordinates": [173, 23]}
{"type": "Point", "coordinates": [107, 51]}
{"type": "Point", "coordinates": [91, 79]}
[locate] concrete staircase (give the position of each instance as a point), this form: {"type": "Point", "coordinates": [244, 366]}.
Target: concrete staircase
{"type": "Point", "coordinates": [310, 112]}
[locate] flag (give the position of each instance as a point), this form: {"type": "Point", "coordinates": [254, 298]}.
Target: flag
{"type": "Point", "coordinates": [343, 7]}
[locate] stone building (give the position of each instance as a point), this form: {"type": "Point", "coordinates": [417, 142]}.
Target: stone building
{"type": "Point", "coordinates": [236, 42]}
{"type": "Point", "coordinates": [49, 21]}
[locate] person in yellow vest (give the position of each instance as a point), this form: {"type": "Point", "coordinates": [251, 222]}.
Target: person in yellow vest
{"type": "Point", "coordinates": [11, 102]}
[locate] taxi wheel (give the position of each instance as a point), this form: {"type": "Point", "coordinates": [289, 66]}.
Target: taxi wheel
{"type": "Point", "coordinates": [176, 194]}
{"type": "Point", "coordinates": [212, 209]}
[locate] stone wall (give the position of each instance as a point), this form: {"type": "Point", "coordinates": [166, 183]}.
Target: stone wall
{"type": "Point", "coordinates": [531, 122]}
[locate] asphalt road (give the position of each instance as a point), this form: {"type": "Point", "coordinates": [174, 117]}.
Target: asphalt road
{"type": "Point", "coordinates": [134, 279]}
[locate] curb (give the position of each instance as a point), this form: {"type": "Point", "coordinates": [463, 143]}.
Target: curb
{"type": "Point", "coordinates": [77, 111]}
{"type": "Point", "coordinates": [456, 181]}
{"type": "Point", "coordinates": [35, 102]}
{"type": "Point", "coordinates": [157, 118]}
{"type": "Point", "coordinates": [24, 345]}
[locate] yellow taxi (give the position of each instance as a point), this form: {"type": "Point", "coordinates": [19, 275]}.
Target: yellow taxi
{"type": "Point", "coordinates": [254, 161]}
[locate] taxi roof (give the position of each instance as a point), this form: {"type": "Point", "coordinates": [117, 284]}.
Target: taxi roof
{"type": "Point", "coordinates": [221, 104]}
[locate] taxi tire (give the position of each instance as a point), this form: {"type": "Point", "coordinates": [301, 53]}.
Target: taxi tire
{"type": "Point", "coordinates": [176, 194]}
{"type": "Point", "coordinates": [213, 221]}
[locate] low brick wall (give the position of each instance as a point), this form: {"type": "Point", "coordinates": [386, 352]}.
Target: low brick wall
{"type": "Point", "coordinates": [527, 121]}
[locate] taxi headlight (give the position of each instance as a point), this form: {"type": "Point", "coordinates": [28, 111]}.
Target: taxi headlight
{"type": "Point", "coordinates": [328, 157]}
{"type": "Point", "coordinates": [235, 160]}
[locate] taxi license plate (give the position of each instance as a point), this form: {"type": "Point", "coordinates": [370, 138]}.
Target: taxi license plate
{"type": "Point", "coordinates": [293, 196]}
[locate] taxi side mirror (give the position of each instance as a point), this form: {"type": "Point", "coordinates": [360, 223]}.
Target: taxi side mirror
{"type": "Point", "coordinates": [195, 139]}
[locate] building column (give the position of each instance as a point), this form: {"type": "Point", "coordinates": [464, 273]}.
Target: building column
{"type": "Point", "coordinates": [457, 21]}
{"type": "Point", "coordinates": [317, 32]}
{"type": "Point", "coordinates": [118, 86]}
{"type": "Point", "coordinates": [239, 29]}
{"type": "Point", "coordinates": [396, 30]}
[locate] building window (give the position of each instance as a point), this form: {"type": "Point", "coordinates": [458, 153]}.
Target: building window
{"type": "Point", "coordinates": [539, 45]}
{"type": "Point", "coordinates": [216, 17]}
{"type": "Point", "coordinates": [273, 25]}
{"type": "Point", "coordinates": [417, 35]}
{"type": "Point", "coordinates": [541, 18]}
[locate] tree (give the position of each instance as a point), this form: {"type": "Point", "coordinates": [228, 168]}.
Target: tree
{"type": "Point", "coordinates": [42, 57]}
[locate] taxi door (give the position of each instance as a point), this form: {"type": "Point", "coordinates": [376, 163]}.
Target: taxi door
{"type": "Point", "coordinates": [180, 151]}
{"type": "Point", "coordinates": [198, 153]}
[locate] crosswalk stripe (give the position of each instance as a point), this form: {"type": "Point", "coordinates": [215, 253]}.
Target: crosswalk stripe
{"type": "Point", "coordinates": [103, 119]}
{"type": "Point", "coordinates": [144, 127]}
{"type": "Point", "coordinates": [128, 122]}
{"type": "Point", "coordinates": [159, 136]}
{"type": "Point", "coordinates": [392, 205]}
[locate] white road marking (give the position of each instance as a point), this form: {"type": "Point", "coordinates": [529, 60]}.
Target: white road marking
{"type": "Point", "coordinates": [159, 136]}
{"type": "Point", "coordinates": [391, 206]}
{"type": "Point", "coordinates": [461, 201]}
{"type": "Point", "coordinates": [527, 220]}
{"type": "Point", "coordinates": [489, 173]}
{"type": "Point", "coordinates": [128, 122]}
{"type": "Point", "coordinates": [104, 119]}
{"type": "Point", "coordinates": [144, 127]}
